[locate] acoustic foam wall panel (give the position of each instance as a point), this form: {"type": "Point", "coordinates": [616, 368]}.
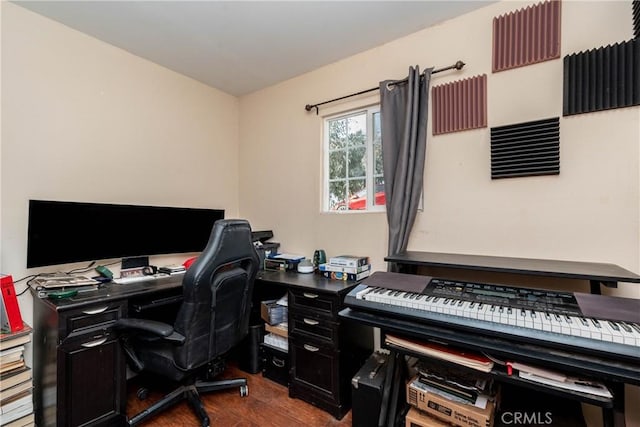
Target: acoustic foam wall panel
{"type": "Point", "coordinates": [526, 149]}
{"type": "Point", "coordinates": [460, 105]}
{"type": "Point", "coordinates": [526, 36]}
{"type": "Point", "coordinates": [601, 79]}
{"type": "Point", "coordinates": [636, 18]}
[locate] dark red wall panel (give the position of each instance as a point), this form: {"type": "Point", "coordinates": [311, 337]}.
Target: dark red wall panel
{"type": "Point", "coordinates": [527, 36]}
{"type": "Point", "coordinates": [460, 105]}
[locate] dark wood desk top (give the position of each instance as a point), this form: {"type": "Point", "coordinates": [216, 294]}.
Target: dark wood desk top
{"type": "Point", "coordinates": [308, 281]}
{"type": "Point", "coordinates": [112, 291]}
{"type": "Point", "coordinates": [537, 267]}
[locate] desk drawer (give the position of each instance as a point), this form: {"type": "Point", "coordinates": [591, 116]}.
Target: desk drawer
{"type": "Point", "coordinates": [314, 365]}
{"type": "Point", "coordinates": [322, 304]}
{"type": "Point", "coordinates": [318, 328]}
{"type": "Point", "coordinates": [88, 319]}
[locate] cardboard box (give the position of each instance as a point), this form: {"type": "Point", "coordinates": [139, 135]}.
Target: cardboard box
{"type": "Point", "coordinates": [273, 313]}
{"type": "Point", "coordinates": [456, 413]}
{"type": "Point", "coordinates": [416, 418]}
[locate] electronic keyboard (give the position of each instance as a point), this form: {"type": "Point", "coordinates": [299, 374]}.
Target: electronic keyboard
{"type": "Point", "coordinates": [532, 315]}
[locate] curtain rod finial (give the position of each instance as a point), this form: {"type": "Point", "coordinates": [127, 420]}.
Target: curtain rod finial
{"type": "Point", "coordinates": [309, 107]}
{"type": "Point", "coordinates": [459, 65]}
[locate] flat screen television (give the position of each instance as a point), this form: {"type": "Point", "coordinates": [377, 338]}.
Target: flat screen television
{"type": "Point", "coordinates": [66, 232]}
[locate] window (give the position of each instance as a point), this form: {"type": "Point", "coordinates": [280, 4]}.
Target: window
{"type": "Point", "coordinates": [353, 162]}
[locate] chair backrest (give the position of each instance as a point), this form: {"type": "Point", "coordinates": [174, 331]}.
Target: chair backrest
{"type": "Point", "coordinates": [217, 290]}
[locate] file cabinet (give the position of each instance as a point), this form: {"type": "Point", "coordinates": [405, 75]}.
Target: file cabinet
{"type": "Point", "coordinates": [80, 373]}
{"type": "Point", "coordinates": [324, 351]}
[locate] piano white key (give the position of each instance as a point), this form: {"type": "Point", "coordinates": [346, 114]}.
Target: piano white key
{"type": "Point", "coordinates": [528, 319]}
{"type": "Point", "coordinates": [520, 317]}
{"type": "Point", "coordinates": [482, 310]}
{"type": "Point", "coordinates": [360, 294]}
{"type": "Point", "coordinates": [466, 311]}
{"type": "Point", "coordinates": [537, 320]}
{"type": "Point", "coordinates": [574, 326]}
{"type": "Point", "coordinates": [495, 313]}
{"type": "Point", "coordinates": [546, 321]}
{"type": "Point", "coordinates": [627, 333]}
{"type": "Point", "coordinates": [614, 331]}
{"type": "Point", "coordinates": [556, 323]}
{"type": "Point", "coordinates": [635, 332]}
{"type": "Point", "coordinates": [582, 326]}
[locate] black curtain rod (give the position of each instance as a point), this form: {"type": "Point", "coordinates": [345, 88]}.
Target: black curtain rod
{"type": "Point", "coordinates": [458, 66]}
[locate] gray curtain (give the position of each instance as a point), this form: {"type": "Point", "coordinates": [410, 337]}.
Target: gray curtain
{"type": "Point", "coordinates": [403, 112]}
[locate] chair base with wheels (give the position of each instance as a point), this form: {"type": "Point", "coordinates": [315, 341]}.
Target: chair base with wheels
{"type": "Point", "coordinates": [190, 393]}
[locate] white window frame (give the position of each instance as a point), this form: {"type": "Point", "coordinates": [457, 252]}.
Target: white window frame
{"type": "Point", "coordinates": [369, 177]}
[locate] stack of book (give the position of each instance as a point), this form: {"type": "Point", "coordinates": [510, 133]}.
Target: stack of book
{"type": "Point", "coordinates": [450, 354]}
{"type": "Point", "coordinates": [452, 385]}
{"type": "Point", "coordinates": [346, 267]}
{"type": "Point", "coordinates": [16, 402]}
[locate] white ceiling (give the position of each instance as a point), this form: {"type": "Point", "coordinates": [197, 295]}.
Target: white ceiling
{"type": "Point", "coordinates": [243, 46]}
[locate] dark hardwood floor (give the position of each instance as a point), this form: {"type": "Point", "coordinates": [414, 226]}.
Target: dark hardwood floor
{"type": "Point", "coordinates": [268, 404]}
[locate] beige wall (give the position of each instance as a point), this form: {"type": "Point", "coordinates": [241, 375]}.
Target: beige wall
{"type": "Point", "coordinates": [590, 212]}
{"type": "Point", "coordinates": [85, 121]}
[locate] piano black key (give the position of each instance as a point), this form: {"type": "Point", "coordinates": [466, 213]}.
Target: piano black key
{"type": "Point", "coordinates": [625, 327]}
{"type": "Point", "coordinates": [614, 326]}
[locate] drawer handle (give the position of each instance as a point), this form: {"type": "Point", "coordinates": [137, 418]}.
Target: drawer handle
{"type": "Point", "coordinates": [310, 321]}
{"type": "Point", "coordinates": [278, 362]}
{"type": "Point", "coordinates": [308, 295]}
{"type": "Point", "coordinates": [310, 348]}
{"type": "Point", "coordinates": [96, 310]}
{"type": "Point", "coordinates": [94, 343]}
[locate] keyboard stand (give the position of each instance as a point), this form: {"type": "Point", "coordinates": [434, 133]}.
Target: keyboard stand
{"type": "Point", "coordinates": [615, 374]}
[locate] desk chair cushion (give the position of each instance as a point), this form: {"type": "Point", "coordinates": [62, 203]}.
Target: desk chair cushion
{"type": "Point", "coordinates": [207, 341]}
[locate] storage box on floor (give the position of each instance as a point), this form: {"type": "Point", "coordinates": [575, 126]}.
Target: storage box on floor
{"type": "Point", "coordinates": [417, 418]}
{"type": "Point", "coordinates": [275, 364]}
{"type": "Point", "coordinates": [459, 414]}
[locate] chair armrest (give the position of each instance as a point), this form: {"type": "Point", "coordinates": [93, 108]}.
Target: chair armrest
{"type": "Point", "coordinates": [157, 328]}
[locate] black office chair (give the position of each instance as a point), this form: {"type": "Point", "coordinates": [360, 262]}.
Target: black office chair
{"type": "Point", "coordinates": [213, 317]}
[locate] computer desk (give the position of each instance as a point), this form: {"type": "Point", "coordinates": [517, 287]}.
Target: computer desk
{"type": "Point", "coordinates": [79, 366]}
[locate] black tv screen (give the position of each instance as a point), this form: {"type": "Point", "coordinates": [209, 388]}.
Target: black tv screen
{"type": "Point", "coordinates": [67, 232]}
